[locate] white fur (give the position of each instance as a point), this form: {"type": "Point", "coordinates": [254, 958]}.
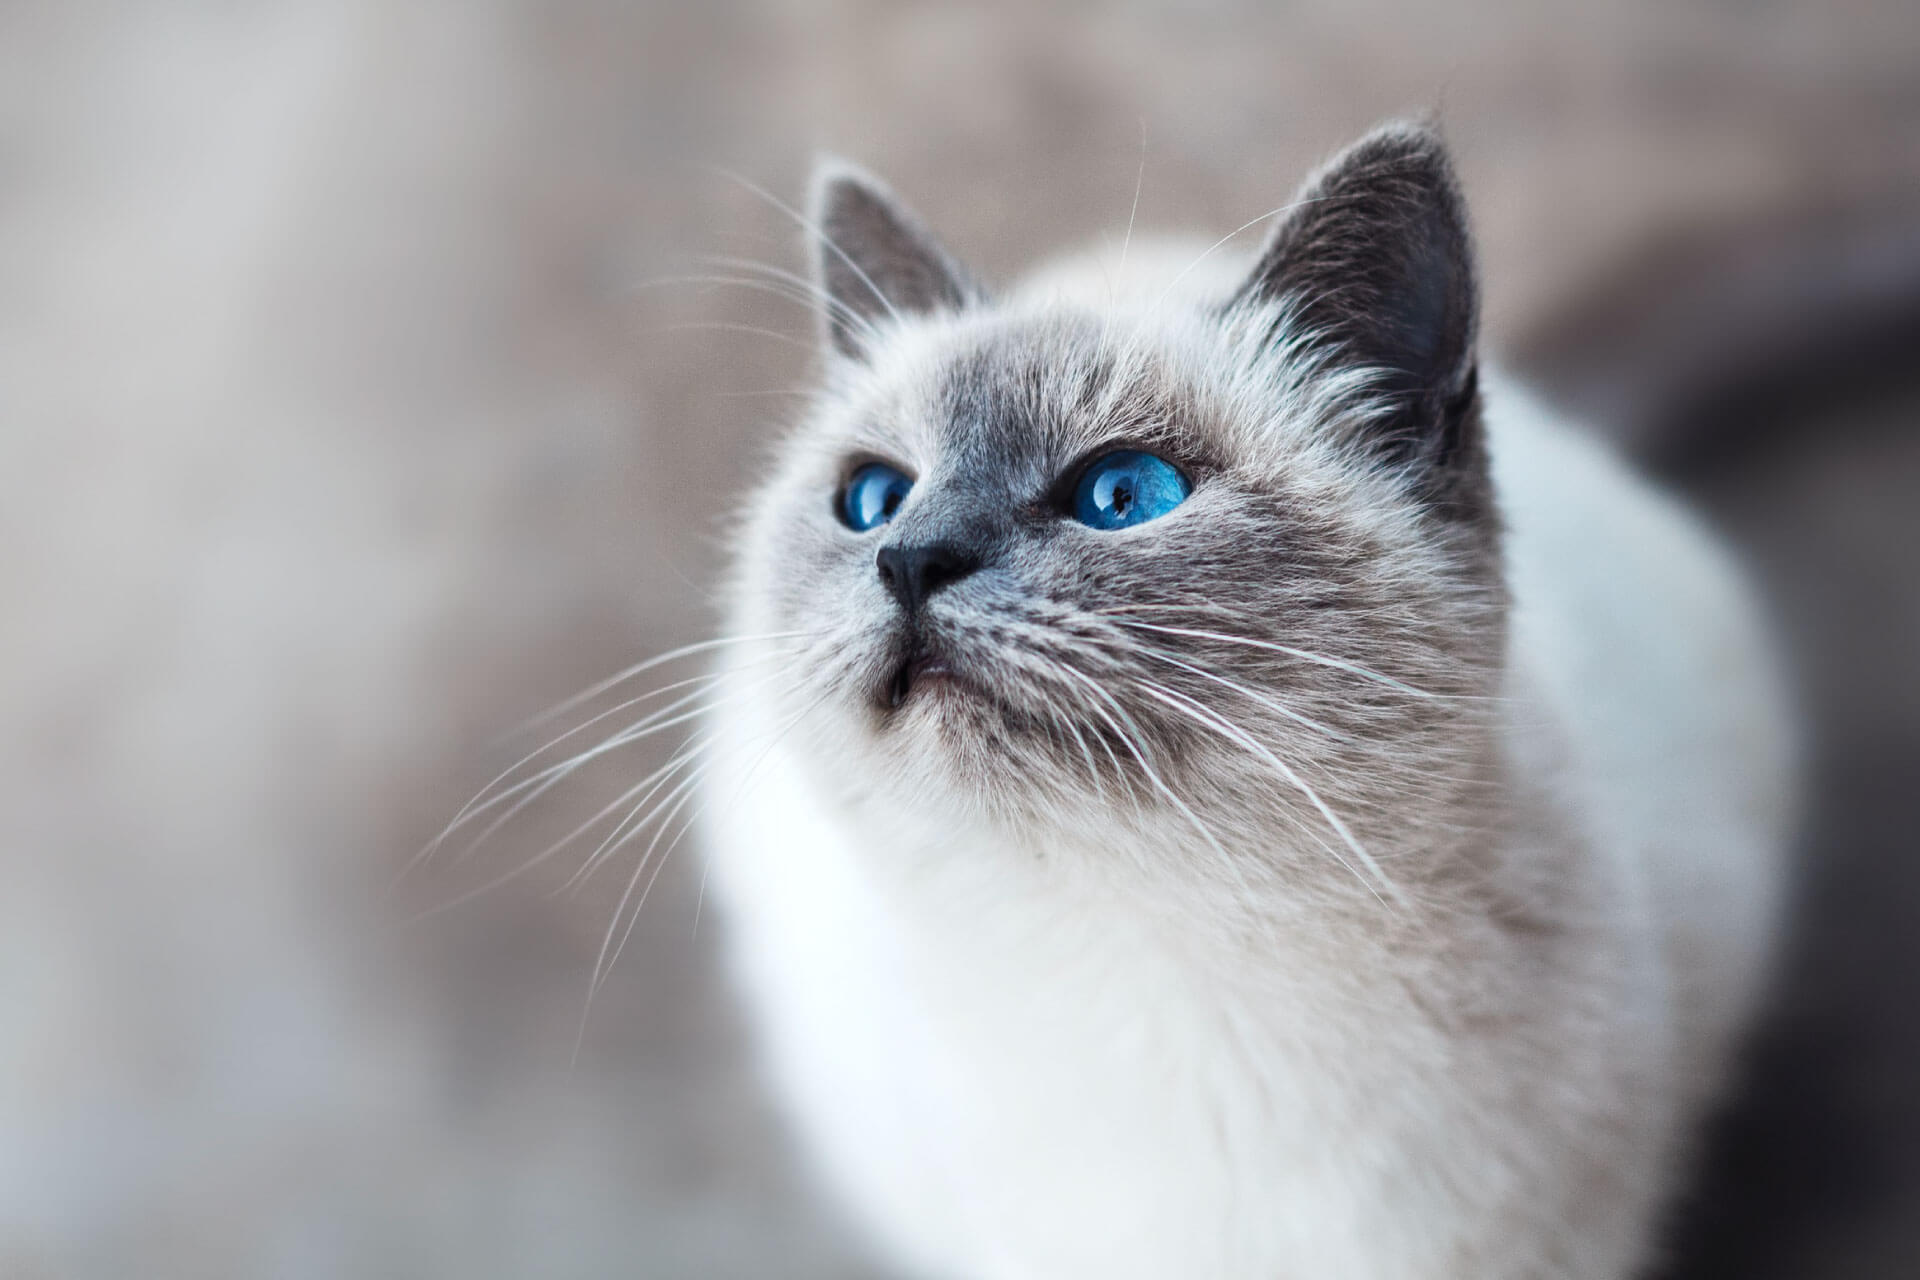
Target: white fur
{"type": "Point", "coordinates": [1012, 1067]}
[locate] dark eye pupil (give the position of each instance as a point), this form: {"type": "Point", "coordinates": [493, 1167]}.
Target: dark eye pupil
{"type": "Point", "coordinates": [1122, 497]}
{"type": "Point", "coordinates": [891, 503]}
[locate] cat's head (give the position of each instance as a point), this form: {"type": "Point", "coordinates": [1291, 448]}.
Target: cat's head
{"type": "Point", "coordinates": [1086, 552]}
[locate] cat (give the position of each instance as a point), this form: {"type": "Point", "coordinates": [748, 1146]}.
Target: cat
{"type": "Point", "coordinates": [1215, 782]}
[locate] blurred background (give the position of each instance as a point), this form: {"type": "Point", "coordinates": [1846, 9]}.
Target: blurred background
{"type": "Point", "coordinates": [346, 421]}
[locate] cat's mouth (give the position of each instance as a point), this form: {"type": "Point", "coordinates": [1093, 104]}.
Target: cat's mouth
{"type": "Point", "coordinates": [954, 684]}
{"type": "Point", "coordinates": [920, 667]}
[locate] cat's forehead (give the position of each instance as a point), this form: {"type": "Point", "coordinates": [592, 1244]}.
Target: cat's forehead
{"type": "Point", "coordinates": [1032, 388]}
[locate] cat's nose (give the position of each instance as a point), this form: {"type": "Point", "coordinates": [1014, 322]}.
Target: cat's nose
{"type": "Point", "coordinates": [912, 574]}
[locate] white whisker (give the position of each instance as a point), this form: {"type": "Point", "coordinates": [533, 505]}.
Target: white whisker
{"type": "Point", "coordinates": [672, 655]}
{"type": "Point", "coordinates": [1244, 691]}
{"type": "Point", "coordinates": [645, 728]}
{"type": "Point", "coordinates": [484, 800]}
{"type": "Point", "coordinates": [557, 846]}
{"type": "Point", "coordinates": [814, 229]}
{"type": "Point", "coordinates": [1289, 207]}
{"type": "Point", "coordinates": [638, 819]}
{"type": "Point", "coordinates": [1205, 715]}
{"type": "Point", "coordinates": [1304, 655]}
{"type": "Point", "coordinates": [602, 963]}
{"type": "Point", "coordinates": [1153, 776]}
{"type": "Point", "coordinates": [772, 288]}
{"type": "Point", "coordinates": [804, 286]}
{"type": "Point", "coordinates": [730, 326]}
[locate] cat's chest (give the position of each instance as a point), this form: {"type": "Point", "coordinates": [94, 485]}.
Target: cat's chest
{"type": "Point", "coordinates": [1006, 1066]}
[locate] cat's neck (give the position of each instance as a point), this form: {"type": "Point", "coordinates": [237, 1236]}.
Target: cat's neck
{"type": "Point", "coordinates": [1201, 892]}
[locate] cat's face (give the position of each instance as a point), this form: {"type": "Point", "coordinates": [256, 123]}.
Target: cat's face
{"type": "Point", "coordinates": [1054, 560]}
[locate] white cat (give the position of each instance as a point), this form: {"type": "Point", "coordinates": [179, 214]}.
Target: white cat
{"type": "Point", "coordinates": [1226, 789]}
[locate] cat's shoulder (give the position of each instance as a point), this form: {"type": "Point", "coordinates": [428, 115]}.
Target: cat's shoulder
{"type": "Point", "coordinates": [1647, 635]}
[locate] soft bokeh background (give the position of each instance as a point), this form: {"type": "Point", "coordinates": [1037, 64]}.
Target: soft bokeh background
{"type": "Point", "coordinates": [341, 430]}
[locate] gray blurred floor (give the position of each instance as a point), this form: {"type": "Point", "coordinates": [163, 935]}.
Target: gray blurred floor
{"type": "Point", "coordinates": [337, 436]}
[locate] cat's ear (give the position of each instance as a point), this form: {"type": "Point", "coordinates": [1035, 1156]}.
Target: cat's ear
{"type": "Point", "coordinates": [1374, 264]}
{"type": "Point", "coordinates": [874, 260]}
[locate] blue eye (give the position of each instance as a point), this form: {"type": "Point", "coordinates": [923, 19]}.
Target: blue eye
{"type": "Point", "coordinates": [1128, 488]}
{"type": "Point", "coordinates": [872, 496]}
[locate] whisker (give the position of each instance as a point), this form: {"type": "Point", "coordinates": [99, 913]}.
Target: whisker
{"type": "Point", "coordinates": [638, 668]}
{"type": "Point", "coordinates": [812, 228]}
{"type": "Point", "coordinates": [1058, 666]}
{"type": "Point", "coordinates": [1126, 242]}
{"type": "Point", "coordinates": [635, 822]}
{"type": "Point", "coordinates": [1289, 207]}
{"type": "Point", "coordinates": [705, 680]}
{"type": "Point", "coordinates": [1134, 748]}
{"type": "Point", "coordinates": [553, 849]}
{"type": "Point", "coordinates": [745, 778]}
{"type": "Point", "coordinates": [602, 964]}
{"type": "Point", "coordinates": [1205, 715]}
{"type": "Point", "coordinates": [730, 326]}
{"type": "Point", "coordinates": [1139, 180]}
{"type": "Point", "coordinates": [1086, 753]}
{"type": "Point", "coordinates": [644, 728]}
{"type": "Point", "coordinates": [787, 393]}
{"type": "Point", "coordinates": [1304, 655]}
{"type": "Point", "coordinates": [483, 801]}
{"type": "Point", "coordinates": [809, 288]}
{"type": "Point", "coordinates": [660, 866]}
{"type": "Point", "coordinates": [772, 288]}
{"type": "Point", "coordinates": [540, 783]}
{"type": "Point", "coordinates": [1244, 691]}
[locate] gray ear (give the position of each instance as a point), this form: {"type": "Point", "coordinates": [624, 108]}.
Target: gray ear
{"type": "Point", "coordinates": [1375, 261]}
{"type": "Point", "coordinates": [874, 259]}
